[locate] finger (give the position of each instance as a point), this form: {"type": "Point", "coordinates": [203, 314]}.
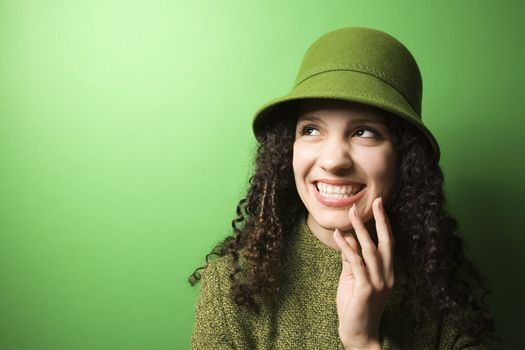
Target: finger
{"type": "Point", "coordinates": [356, 263]}
{"type": "Point", "coordinates": [385, 238]}
{"type": "Point", "coordinates": [346, 271]}
{"type": "Point", "coordinates": [340, 242]}
{"type": "Point", "coordinates": [350, 239]}
{"type": "Point", "coordinates": [368, 248]}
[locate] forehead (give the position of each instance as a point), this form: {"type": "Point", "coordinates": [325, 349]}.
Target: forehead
{"type": "Point", "coordinates": [322, 107]}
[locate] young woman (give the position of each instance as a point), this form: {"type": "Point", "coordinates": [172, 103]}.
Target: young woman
{"type": "Point", "coordinates": [344, 169]}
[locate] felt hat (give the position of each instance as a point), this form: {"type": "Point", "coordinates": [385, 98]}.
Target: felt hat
{"type": "Point", "coordinates": [359, 65]}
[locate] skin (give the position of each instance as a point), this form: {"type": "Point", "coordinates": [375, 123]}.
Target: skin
{"type": "Point", "coordinates": [351, 144]}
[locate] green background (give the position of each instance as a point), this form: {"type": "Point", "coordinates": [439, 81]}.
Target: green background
{"type": "Point", "coordinates": [125, 143]}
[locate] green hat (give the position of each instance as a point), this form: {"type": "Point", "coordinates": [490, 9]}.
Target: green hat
{"type": "Point", "coordinates": [360, 65]}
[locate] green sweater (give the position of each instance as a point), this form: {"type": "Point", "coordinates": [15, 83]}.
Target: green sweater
{"type": "Point", "coordinates": [303, 314]}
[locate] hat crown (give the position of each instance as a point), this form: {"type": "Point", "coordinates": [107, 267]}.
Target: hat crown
{"type": "Point", "coordinates": [367, 51]}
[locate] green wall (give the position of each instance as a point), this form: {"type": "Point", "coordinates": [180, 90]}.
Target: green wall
{"type": "Point", "coordinates": [125, 143]}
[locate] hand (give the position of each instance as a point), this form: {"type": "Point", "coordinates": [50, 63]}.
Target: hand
{"type": "Point", "coordinates": [366, 282]}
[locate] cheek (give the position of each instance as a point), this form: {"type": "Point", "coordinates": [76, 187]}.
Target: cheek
{"type": "Point", "coordinates": [302, 159]}
{"type": "Point", "coordinates": [380, 167]}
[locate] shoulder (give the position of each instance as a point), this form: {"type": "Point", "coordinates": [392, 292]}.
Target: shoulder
{"type": "Point", "coordinates": [216, 277]}
{"type": "Point", "coordinates": [216, 274]}
{"type": "Point", "coordinates": [452, 338]}
{"type": "Point", "coordinates": [223, 265]}
{"type": "Point", "coordinates": [403, 330]}
{"type": "Point", "coordinates": [212, 325]}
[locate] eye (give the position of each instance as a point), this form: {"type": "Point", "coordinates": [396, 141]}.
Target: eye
{"type": "Point", "coordinates": [366, 133]}
{"type": "Point", "coordinates": [309, 130]}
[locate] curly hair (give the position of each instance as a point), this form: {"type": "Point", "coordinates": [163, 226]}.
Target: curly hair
{"type": "Point", "coordinates": [443, 281]}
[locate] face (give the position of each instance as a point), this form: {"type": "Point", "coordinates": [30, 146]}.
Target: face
{"type": "Point", "coordinates": [343, 154]}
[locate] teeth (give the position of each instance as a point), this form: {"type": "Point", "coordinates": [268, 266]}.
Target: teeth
{"type": "Point", "coordinates": [331, 191]}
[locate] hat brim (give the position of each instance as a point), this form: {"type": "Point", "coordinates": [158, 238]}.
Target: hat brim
{"type": "Point", "coordinates": [345, 85]}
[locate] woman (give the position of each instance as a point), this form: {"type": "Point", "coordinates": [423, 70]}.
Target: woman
{"type": "Point", "coordinates": [344, 169]}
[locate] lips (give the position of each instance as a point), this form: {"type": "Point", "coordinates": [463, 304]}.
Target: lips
{"type": "Point", "coordinates": [337, 193]}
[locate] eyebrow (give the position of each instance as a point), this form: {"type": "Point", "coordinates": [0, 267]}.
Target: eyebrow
{"type": "Point", "coordinates": [311, 118]}
{"type": "Point", "coordinates": [356, 120]}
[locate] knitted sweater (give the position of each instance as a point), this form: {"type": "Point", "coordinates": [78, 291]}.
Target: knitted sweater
{"type": "Point", "coordinates": [303, 315]}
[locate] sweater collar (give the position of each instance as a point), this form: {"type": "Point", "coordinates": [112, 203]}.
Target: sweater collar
{"type": "Point", "coordinates": [313, 255]}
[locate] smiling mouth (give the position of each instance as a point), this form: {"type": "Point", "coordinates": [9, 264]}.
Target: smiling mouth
{"type": "Point", "coordinates": [338, 195]}
{"type": "Point", "coordinates": [338, 191]}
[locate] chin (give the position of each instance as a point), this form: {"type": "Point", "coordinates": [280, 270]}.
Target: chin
{"type": "Point", "coordinates": [331, 221]}
{"type": "Point", "coordinates": [340, 219]}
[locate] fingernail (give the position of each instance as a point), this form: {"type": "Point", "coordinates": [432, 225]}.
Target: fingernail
{"type": "Point", "coordinates": [380, 203]}
{"type": "Point", "coordinates": [355, 210]}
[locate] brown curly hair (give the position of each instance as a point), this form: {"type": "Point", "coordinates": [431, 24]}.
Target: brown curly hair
{"type": "Point", "coordinates": [431, 253]}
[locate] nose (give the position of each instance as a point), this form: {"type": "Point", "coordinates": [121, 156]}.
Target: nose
{"type": "Point", "coordinates": [335, 156]}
